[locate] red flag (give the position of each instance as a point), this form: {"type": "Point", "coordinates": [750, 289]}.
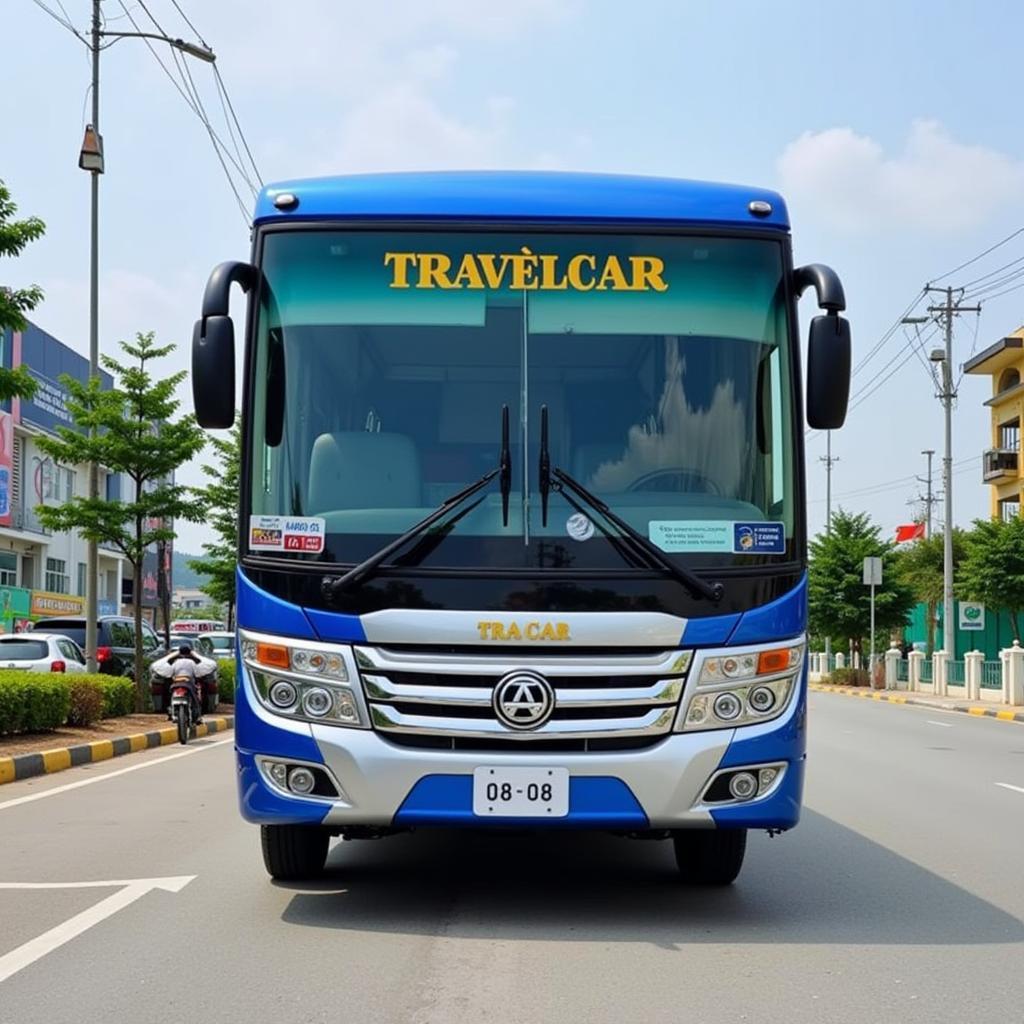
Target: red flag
{"type": "Point", "coordinates": [912, 531]}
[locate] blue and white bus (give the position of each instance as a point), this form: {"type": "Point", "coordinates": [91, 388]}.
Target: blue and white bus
{"type": "Point", "coordinates": [523, 530]}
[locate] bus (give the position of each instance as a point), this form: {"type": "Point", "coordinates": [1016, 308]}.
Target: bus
{"type": "Point", "coordinates": [523, 536]}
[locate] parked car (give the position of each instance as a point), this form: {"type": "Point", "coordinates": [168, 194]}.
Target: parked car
{"type": "Point", "coordinates": [219, 645]}
{"type": "Point", "coordinates": [40, 652]}
{"type": "Point", "coordinates": [115, 640]}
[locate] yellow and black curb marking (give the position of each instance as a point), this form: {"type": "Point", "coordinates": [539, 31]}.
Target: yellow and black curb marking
{"type": "Point", "coordinates": [25, 766]}
{"type": "Point", "coordinates": [979, 711]}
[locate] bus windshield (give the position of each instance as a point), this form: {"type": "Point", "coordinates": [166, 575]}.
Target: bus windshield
{"type": "Point", "coordinates": [382, 361]}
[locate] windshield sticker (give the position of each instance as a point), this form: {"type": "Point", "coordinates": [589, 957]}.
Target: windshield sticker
{"type": "Point", "coordinates": [579, 527]}
{"type": "Point", "coordinates": [287, 533]}
{"type": "Point", "coordinates": [718, 536]}
{"type": "Point", "coordinates": [760, 538]}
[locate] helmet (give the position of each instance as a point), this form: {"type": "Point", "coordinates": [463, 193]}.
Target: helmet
{"type": "Point", "coordinates": [185, 649]}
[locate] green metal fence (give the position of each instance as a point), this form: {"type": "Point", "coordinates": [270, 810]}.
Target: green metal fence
{"type": "Point", "coordinates": [902, 671]}
{"type": "Point", "coordinates": [992, 675]}
{"type": "Point", "coordinates": [926, 670]}
{"type": "Point", "coordinates": [955, 674]}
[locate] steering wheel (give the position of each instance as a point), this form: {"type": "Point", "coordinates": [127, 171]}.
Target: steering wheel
{"type": "Point", "coordinates": [671, 475]}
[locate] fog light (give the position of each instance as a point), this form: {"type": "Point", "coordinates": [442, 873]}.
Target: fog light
{"type": "Point", "coordinates": [727, 706]}
{"type": "Point", "coordinates": [743, 785]}
{"type": "Point", "coordinates": [301, 780]}
{"type": "Point", "coordinates": [761, 699]}
{"type": "Point", "coordinates": [283, 694]}
{"type": "Point", "coordinates": [765, 778]}
{"type": "Point", "coordinates": [317, 702]}
{"type": "Point", "coordinates": [278, 772]}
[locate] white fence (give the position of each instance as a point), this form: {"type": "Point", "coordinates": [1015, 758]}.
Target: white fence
{"type": "Point", "coordinates": [971, 679]}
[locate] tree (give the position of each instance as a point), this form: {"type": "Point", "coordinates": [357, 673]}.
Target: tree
{"type": "Point", "coordinates": [992, 569]}
{"type": "Point", "coordinates": [839, 603]}
{"type": "Point", "coordinates": [129, 430]}
{"type": "Point", "coordinates": [16, 303]}
{"type": "Point", "coordinates": [220, 499]}
{"type": "Point", "coordinates": [920, 566]}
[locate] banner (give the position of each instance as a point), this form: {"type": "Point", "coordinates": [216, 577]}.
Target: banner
{"type": "Point", "coordinates": [45, 603]}
{"type": "Point", "coordinates": [912, 531]}
{"type": "Point", "coordinates": [15, 603]}
{"type": "Point", "coordinates": [6, 466]}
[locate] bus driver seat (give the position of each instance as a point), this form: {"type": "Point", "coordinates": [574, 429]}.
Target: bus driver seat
{"type": "Point", "coordinates": [360, 470]}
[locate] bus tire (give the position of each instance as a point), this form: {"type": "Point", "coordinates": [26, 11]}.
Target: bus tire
{"type": "Point", "coordinates": [710, 857]}
{"type": "Point", "coordinates": [292, 853]}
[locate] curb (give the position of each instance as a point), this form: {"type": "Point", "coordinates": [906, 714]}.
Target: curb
{"type": "Point", "coordinates": [978, 711]}
{"type": "Point", "coordinates": [25, 766]}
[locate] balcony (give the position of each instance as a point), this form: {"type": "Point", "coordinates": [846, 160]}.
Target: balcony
{"type": "Point", "coordinates": [998, 464]}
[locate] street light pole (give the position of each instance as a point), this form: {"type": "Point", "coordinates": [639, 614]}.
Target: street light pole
{"type": "Point", "coordinates": [91, 159]}
{"type": "Point", "coordinates": [92, 554]}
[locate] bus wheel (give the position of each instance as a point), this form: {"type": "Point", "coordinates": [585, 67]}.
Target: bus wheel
{"type": "Point", "coordinates": [710, 857]}
{"type": "Point", "coordinates": [292, 853]}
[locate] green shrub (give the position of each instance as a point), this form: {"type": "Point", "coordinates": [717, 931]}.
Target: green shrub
{"type": "Point", "coordinates": [33, 702]}
{"type": "Point", "coordinates": [118, 695]}
{"type": "Point", "coordinates": [226, 680]}
{"type": "Point", "coordinates": [850, 677]}
{"type": "Point", "coordinates": [86, 701]}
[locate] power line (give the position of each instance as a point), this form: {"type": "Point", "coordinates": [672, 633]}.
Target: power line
{"type": "Point", "coordinates": [198, 34]}
{"type": "Point", "coordinates": [65, 20]}
{"type": "Point", "coordinates": [981, 255]}
{"type": "Point", "coordinates": [1005, 266]}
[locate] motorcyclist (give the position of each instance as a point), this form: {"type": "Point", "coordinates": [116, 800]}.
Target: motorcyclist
{"type": "Point", "coordinates": [183, 663]}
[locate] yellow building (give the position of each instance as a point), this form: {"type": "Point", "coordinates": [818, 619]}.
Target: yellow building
{"type": "Point", "coordinates": [1002, 464]}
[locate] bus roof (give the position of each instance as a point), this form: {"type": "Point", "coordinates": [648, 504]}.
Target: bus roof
{"type": "Point", "coordinates": [523, 195]}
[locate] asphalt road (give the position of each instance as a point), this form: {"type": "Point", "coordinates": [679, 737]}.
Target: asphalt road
{"type": "Point", "coordinates": [898, 899]}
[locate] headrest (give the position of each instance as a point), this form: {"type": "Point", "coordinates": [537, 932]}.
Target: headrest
{"type": "Point", "coordinates": [356, 469]}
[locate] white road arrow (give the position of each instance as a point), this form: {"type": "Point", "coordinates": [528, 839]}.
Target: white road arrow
{"type": "Point", "coordinates": [130, 890]}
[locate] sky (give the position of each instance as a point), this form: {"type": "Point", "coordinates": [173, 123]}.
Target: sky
{"type": "Point", "coordinates": [889, 128]}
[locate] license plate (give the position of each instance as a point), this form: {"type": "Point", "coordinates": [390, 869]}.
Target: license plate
{"type": "Point", "coordinates": [521, 792]}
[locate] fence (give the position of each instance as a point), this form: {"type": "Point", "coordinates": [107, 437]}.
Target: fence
{"type": "Point", "coordinates": [992, 675]}
{"type": "Point", "coordinates": [955, 673]}
{"type": "Point", "coordinates": [926, 670]}
{"type": "Point", "coordinates": [903, 671]}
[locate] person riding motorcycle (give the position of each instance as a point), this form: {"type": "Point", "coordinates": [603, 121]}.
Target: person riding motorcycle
{"type": "Point", "coordinates": [183, 669]}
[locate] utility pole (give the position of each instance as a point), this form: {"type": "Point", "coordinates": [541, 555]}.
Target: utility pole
{"type": "Point", "coordinates": [91, 159]}
{"type": "Point", "coordinates": [929, 499]}
{"type": "Point", "coordinates": [943, 316]}
{"type": "Point", "coordinates": [829, 462]}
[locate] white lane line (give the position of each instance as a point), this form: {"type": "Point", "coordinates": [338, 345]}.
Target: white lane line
{"type": "Point", "coordinates": [941, 725]}
{"type": "Point", "coordinates": [17, 801]}
{"type": "Point", "coordinates": [33, 950]}
{"type": "Point", "coordinates": [1006, 785]}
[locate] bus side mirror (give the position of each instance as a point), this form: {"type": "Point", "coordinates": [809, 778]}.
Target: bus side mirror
{"type": "Point", "coordinates": [828, 372]}
{"type": "Point", "coordinates": [213, 347]}
{"type": "Point", "coordinates": [213, 372]}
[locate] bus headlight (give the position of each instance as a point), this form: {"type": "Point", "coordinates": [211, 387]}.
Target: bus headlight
{"type": "Point", "coordinates": [741, 688]}
{"type": "Point", "coordinates": [303, 680]}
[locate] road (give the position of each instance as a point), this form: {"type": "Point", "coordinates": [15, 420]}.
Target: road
{"type": "Point", "coordinates": [898, 898]}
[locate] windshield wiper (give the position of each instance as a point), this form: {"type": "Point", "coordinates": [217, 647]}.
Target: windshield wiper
{"type": "Point", "coordinates": [332, 586]}
{"type": "Point", "coordinates": [698, 587]}
{"type": "Point", "coordinates": [544, 468]}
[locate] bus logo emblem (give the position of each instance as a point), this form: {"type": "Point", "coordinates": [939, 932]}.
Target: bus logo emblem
{"type": "Point", "coordinates": [523, 700]}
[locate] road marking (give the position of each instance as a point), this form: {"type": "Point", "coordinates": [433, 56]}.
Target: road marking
{"type": "Point", "coordinates": [17, 801]}
{"type": "Point", "coordinates": [941, 725]}
{"type": "Point", "coordinates": [29, 952]}
{"type": "Point", "coordinates": [1006, 785]}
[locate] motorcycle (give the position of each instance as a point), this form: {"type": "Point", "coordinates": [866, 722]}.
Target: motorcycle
{"type": "Point", "coordinates": [185, 696]}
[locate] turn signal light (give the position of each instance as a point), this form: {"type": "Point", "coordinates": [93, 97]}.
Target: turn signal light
{"type": "Point", "coordinates": [273, 655]}
{"type": "Point", "coordinates": [774, 661]}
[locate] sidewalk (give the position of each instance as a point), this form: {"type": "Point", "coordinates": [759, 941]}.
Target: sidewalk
{"type": "Point", "coordinates": [1001, 711]}
{"type": "Point", "coordinates": [44, 762]}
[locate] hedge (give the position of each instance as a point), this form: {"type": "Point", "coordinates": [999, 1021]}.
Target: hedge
{"type": "Point", "coordinates": [850, 677]}
{"type": "Point", "coordinates": [226, 680]}
{"type": "Point", "coordinates": [42, 701]}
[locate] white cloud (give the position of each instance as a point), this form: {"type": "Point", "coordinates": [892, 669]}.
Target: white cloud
{"type": "Point", "coordinates": [936, 183]}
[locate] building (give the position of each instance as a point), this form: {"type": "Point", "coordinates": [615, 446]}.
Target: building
{"type": "Point", "coordinates": [189, 599]}
{"type": "Point", "coordinates": [42, 573]}
{"type": "Point", "coordinates": [1001, 463]}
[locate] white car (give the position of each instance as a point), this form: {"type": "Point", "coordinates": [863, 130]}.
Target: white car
{"type": "Point", "coordinates": [40, 652]}
{"type": "Point", "coordinates": [219, 645]}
